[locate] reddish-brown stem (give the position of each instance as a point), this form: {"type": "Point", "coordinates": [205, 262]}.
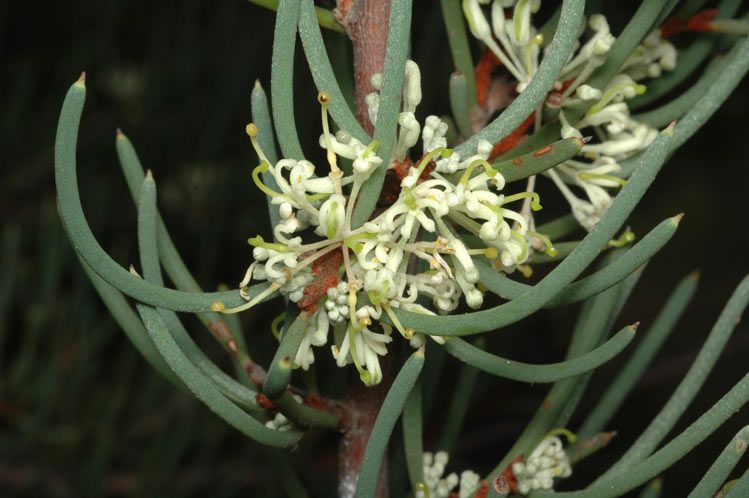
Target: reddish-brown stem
{"type": "Point", "coordinates": [366, 23]}
{"type": "Point", "coordinates": [361, 408]}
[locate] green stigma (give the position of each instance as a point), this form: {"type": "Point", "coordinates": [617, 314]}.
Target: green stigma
{"type": "Point", "coordinates": [373, 146]}
{"type": "Point", "coordinates": [442, 151]}
{"type": "Point", "coordinates": [258, 241]}
{"type": "Point", "coordinates": [490, 171]}
{"type": "Point", "coordinates": [625, 239]}
{"type": "Point", "coordinates": [551, 251]}
{"type": "Point", "coordinates": [535, 199]}
{"type": "Point", "coordinates": [262, 168]}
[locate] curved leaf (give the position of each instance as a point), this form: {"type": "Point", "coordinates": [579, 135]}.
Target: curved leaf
{"type": "Point", "coordinates": [282, 78]}
{"type": "Point", "coordinates": [552, 372]}
{"type": "Point", "coordinates": [391, 409]}
{"type": "Point", "coordinates": [322, 72]}
{"type": "Point", "coordinates": [83, 239]}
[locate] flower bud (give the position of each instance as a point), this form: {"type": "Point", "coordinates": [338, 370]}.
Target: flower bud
{"type": "Point", "coordinates": [331, 216]}
{"type": "Point", "coordinates": [476, 20]}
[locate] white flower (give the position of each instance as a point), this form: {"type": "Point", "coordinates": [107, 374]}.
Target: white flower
{"type": "Point", "coordinates": [587, 92]}
{"type": "Point", "coordinates": [365, 159]}
{"type": "Point", "coordinates": [614, 116]}
{"type": "Point", "coordinates": [433, 134]}
{"type": "Point", "coordinates": [587, 213]}
{"type": "Point", "coordinates": [409, 133]}
{"type": "Point", "coordinates": [373, 105]}
{"type": "Point", "coordinates": [466, 267]}
{"type": "Point", "coordinates": [515, 43]}
{"type": "Point", "coordinates": [443, 289]}
{"type": "Point", "coordinates": [476, 20]}
{"type": "Point", "coordinates": [294, 288]}
{"type": "Point", "coordinates": [331, 217]}
{"type": "Point", "coordinates": [651, 58]}
{"type": "Point", "coordinates": [364, 353]}
{"type": "Point", "coordinates": [593, 53]}
{"type": "Point", "coordinates": [305, 356]}
{"type": "Point", "coordinates": [411, 87]}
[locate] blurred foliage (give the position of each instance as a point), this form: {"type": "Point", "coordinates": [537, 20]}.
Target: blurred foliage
{"type": "Point", "coordinates": [81, 415]}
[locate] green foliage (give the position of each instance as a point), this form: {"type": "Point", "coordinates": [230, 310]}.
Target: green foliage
{"type": "Point", "coordinates": [159, 336]}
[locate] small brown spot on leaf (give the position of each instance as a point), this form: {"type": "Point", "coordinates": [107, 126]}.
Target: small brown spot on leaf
{"type": "Point", "coordinates": [544, 150]}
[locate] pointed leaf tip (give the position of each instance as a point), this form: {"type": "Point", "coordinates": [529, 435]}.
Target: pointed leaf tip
{"type": "Point", "coordinates": [81, 80]}
{"type": "Point", "coordinates": [677, 219]}
{"type": "Point", "coordinates": [635, 326]}
{"type": "Point", "coordinates": [149, 175]}
{"type": "Point", "coordinates": [671, 126]}
{"type": "Point", "coordinates": [134, 271]}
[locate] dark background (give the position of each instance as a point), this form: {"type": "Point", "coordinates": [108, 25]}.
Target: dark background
{"type": "Point", "coordinates": [81, 414]}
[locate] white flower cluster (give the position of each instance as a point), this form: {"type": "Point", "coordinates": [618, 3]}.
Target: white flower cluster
{"type": "Point", "coordinates": [547, 461]}
{"type": "Point", "coordinates": [346, 277]}
{"type": "Point", "coordinates": [441, 487]}
{"type": "Point", "coordinates": [517, 44]}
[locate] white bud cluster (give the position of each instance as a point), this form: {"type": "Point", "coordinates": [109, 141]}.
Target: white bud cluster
{"type": "Point", "coordinates": [441, 487]}
{"type": "Point", "coordinates": [547, 462]}
{"type": "Point", "coordinates": [336, 305]}
{"type": "Point", "coordinates": [650, 59]}
{"type": "Point", "coordinates": [279, 422]}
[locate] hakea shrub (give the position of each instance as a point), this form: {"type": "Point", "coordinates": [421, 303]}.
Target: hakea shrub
{"type": "Point", "coordinates": [407, 227]}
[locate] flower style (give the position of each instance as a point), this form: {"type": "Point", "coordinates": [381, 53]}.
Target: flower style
{"type": "Point", "coordinates": [517, 45]}
{"type": "Point", "coordinates": [408, 255]}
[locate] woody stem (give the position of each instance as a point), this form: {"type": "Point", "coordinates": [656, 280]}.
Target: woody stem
{"type": "Point", "coordinates": [366, 23]}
